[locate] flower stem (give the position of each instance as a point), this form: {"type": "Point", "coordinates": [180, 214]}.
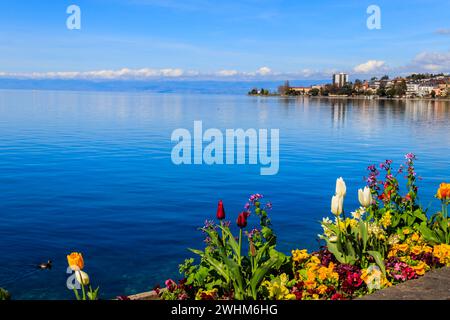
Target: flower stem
{"type": "Point", "coordinates": [77, 296]}
{"type": "Point", "coordinates": [240, 246]}
{"type": "Point", "coordinates": [223, 233]}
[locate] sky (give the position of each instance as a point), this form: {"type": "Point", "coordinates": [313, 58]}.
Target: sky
{"type": "Point", "coordinates": [202, 39]}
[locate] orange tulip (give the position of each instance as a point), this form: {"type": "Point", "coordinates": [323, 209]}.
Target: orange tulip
{"type": "Point", "coordinates": [75, 261]}
{"type": "Point", "coordinates": [443, 192]}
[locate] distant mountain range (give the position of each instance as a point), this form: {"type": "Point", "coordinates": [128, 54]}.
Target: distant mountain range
{"type": "Point", "coordinates": [154, 86]}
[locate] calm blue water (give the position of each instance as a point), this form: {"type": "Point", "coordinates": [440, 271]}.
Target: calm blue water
{"type": "Point", "coordinates": [91, 172]}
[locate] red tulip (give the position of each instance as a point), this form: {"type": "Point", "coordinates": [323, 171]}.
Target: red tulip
{"type": "Point", "coordinates": [220, 211]}
{"type": "Point", "coordinates": [242, 220]}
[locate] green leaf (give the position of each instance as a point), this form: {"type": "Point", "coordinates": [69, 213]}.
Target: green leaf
{"type": "Point", "coordinates": [364, 233]}
{"type": "Point", "coordinates": [333, 248]}
{"type": "Point", "coordinates": [219, 267]}
{"type": "Point", "coordinates": [260, 273]}
{"type": "Point", "coordinates": [428, 234]}
{"type": "Point", "coordinates": [379, 260]}
{"type": "Point", "coordinates": [231, 240]}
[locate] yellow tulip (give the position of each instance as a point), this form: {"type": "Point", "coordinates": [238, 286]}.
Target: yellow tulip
{"type": "Point", "coordinates": [82, 277]}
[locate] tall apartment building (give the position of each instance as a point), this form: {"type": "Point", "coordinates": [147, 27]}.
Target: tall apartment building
{"type": "Point", "coordinates": [340, 79]}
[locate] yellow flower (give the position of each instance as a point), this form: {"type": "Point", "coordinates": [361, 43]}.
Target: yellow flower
{"type": "Point", "coordinates": [310, 284]}
{"type": "Point", "coordinates": [415, 236]}
{"type": "Point", "coordinates": [310, 275]}
{"type": "Point", "coordinates": [322, 289]}
{"type": "Point", "coordinates": [210, 293]}
{"type": "Point", "coordinates": [322, 273]}
{"type": "Point", "coordinates": [386, 220]}
{"type": "Point", "coordinates": [348, 223]}
{"type": "Point", "coordinates": [402, 247]}
{"type": "Point", "coordinates": [314, 260]}
{"type": "Point", "coordinates": [406, 231]}
{"type": "Point", "coordinates": [299, 255]}
{"type": "Point", "coordinates": [278, 290]}
{"type": "Point", "coordinates": [342, 226]}
{"type": "Point", "coordinates": [75, 261]}
{"type": "Point", "coordinates": [82, 277]}
{"type": "Point", "coordinates": [416, 250]}
{"type": "Point", "coordinates": [427, 249]}
{"type": "Point", "coordinates": [313, 264]}
{"type": "Point", "coordinates": [373, 277]}
{"type": "Point", "coordinates": [392, 253]}
{"type": "Point", "coordinates": [442, 252]}
{"type": "Point", "coordinates": [421, 268]}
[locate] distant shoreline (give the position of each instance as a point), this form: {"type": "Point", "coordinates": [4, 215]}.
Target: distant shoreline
{"type": "Point", "coordinates": [350, 98]}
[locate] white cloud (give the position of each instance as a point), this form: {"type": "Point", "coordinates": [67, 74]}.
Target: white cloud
{"type": "Point", "coordinates": [122, 74]}
{"type": "Point", "coordinates": [370, 66]}
{"type": "Point", "coordinates": [433, 61]}
{"type": "Point", "coordinates": [264, 71]}
{"type": "Point", "coordinates": [227, 73]}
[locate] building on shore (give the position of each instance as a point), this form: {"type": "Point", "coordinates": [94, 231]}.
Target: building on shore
{"type": "Point", "coordinates": [300, 90]}
{"type": "Point", "coordinates": [340, 79]}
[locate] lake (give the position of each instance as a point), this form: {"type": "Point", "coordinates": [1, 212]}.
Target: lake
{"type": "Point", "coordinates": [92, 172]}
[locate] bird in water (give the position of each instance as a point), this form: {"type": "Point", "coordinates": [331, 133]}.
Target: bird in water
{"type": "Point", "coordinates": [46, 265]}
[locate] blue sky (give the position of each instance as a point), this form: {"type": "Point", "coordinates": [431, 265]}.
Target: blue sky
{"type": "Point", "coordinates": [222, 39]}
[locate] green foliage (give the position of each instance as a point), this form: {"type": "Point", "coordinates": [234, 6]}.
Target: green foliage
{"type": "Point", "coordinates": [4, 295]}
{"type": "Point", "coordinates": [355, 242]}
{"type": "Point", "coordinates": [223, 266]}
{"type": "Point", "coordinates": [436, 230]}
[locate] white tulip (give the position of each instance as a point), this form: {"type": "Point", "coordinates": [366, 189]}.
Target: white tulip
{"type": "Point", "coordinates": [341, 188]}
{"type": "Point", "coordinates": [365, 197]}
{"type": "Point", "coordinates": [333, 239]}
{"type": "Point", "coordinates": [82, 277]}
{"type": "Point", "coordinates": [337, 204]}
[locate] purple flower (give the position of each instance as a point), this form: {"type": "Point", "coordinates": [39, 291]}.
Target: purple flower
{"type": "Point", "coordinates": [209, 224]}
{"type": "Point", "coordinates": [269, 205]}
{"type": "Point", "coordinates": [255, 197]}
{"type": "Point", "coordinates": [207, 240]}
{"type": "Point", "coordinates": [252, 233]}
{"type": "Point", "coordinates": [410, 157]}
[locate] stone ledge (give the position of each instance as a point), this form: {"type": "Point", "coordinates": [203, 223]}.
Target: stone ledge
{"type": "Point", "coordinates": [434, 285]}
{"type": "Point", "coordinates": [146, 296]}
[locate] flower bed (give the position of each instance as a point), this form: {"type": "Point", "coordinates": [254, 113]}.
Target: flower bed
{"type": "Point", "coordinates": [388, 240]}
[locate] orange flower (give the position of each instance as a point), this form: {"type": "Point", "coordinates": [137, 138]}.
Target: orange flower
{"type": "Point", "coordinates": [421, 268]}
{"type": "Point", "coordinates": [75, 261]}
{"type": "Point", "coordinates": [416, 250]}
{"type": "Point", "coordinates": [310, 284]}
{"type": "Point", "coordinates": [443, 192]}
{"type": "Point", "coordinates": [415, 237]}
{"type": "Point", "coordinates": [322, 289]}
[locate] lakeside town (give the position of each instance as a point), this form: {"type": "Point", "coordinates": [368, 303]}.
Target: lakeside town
{"type": "Point", "coordinates": [428, 86]}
